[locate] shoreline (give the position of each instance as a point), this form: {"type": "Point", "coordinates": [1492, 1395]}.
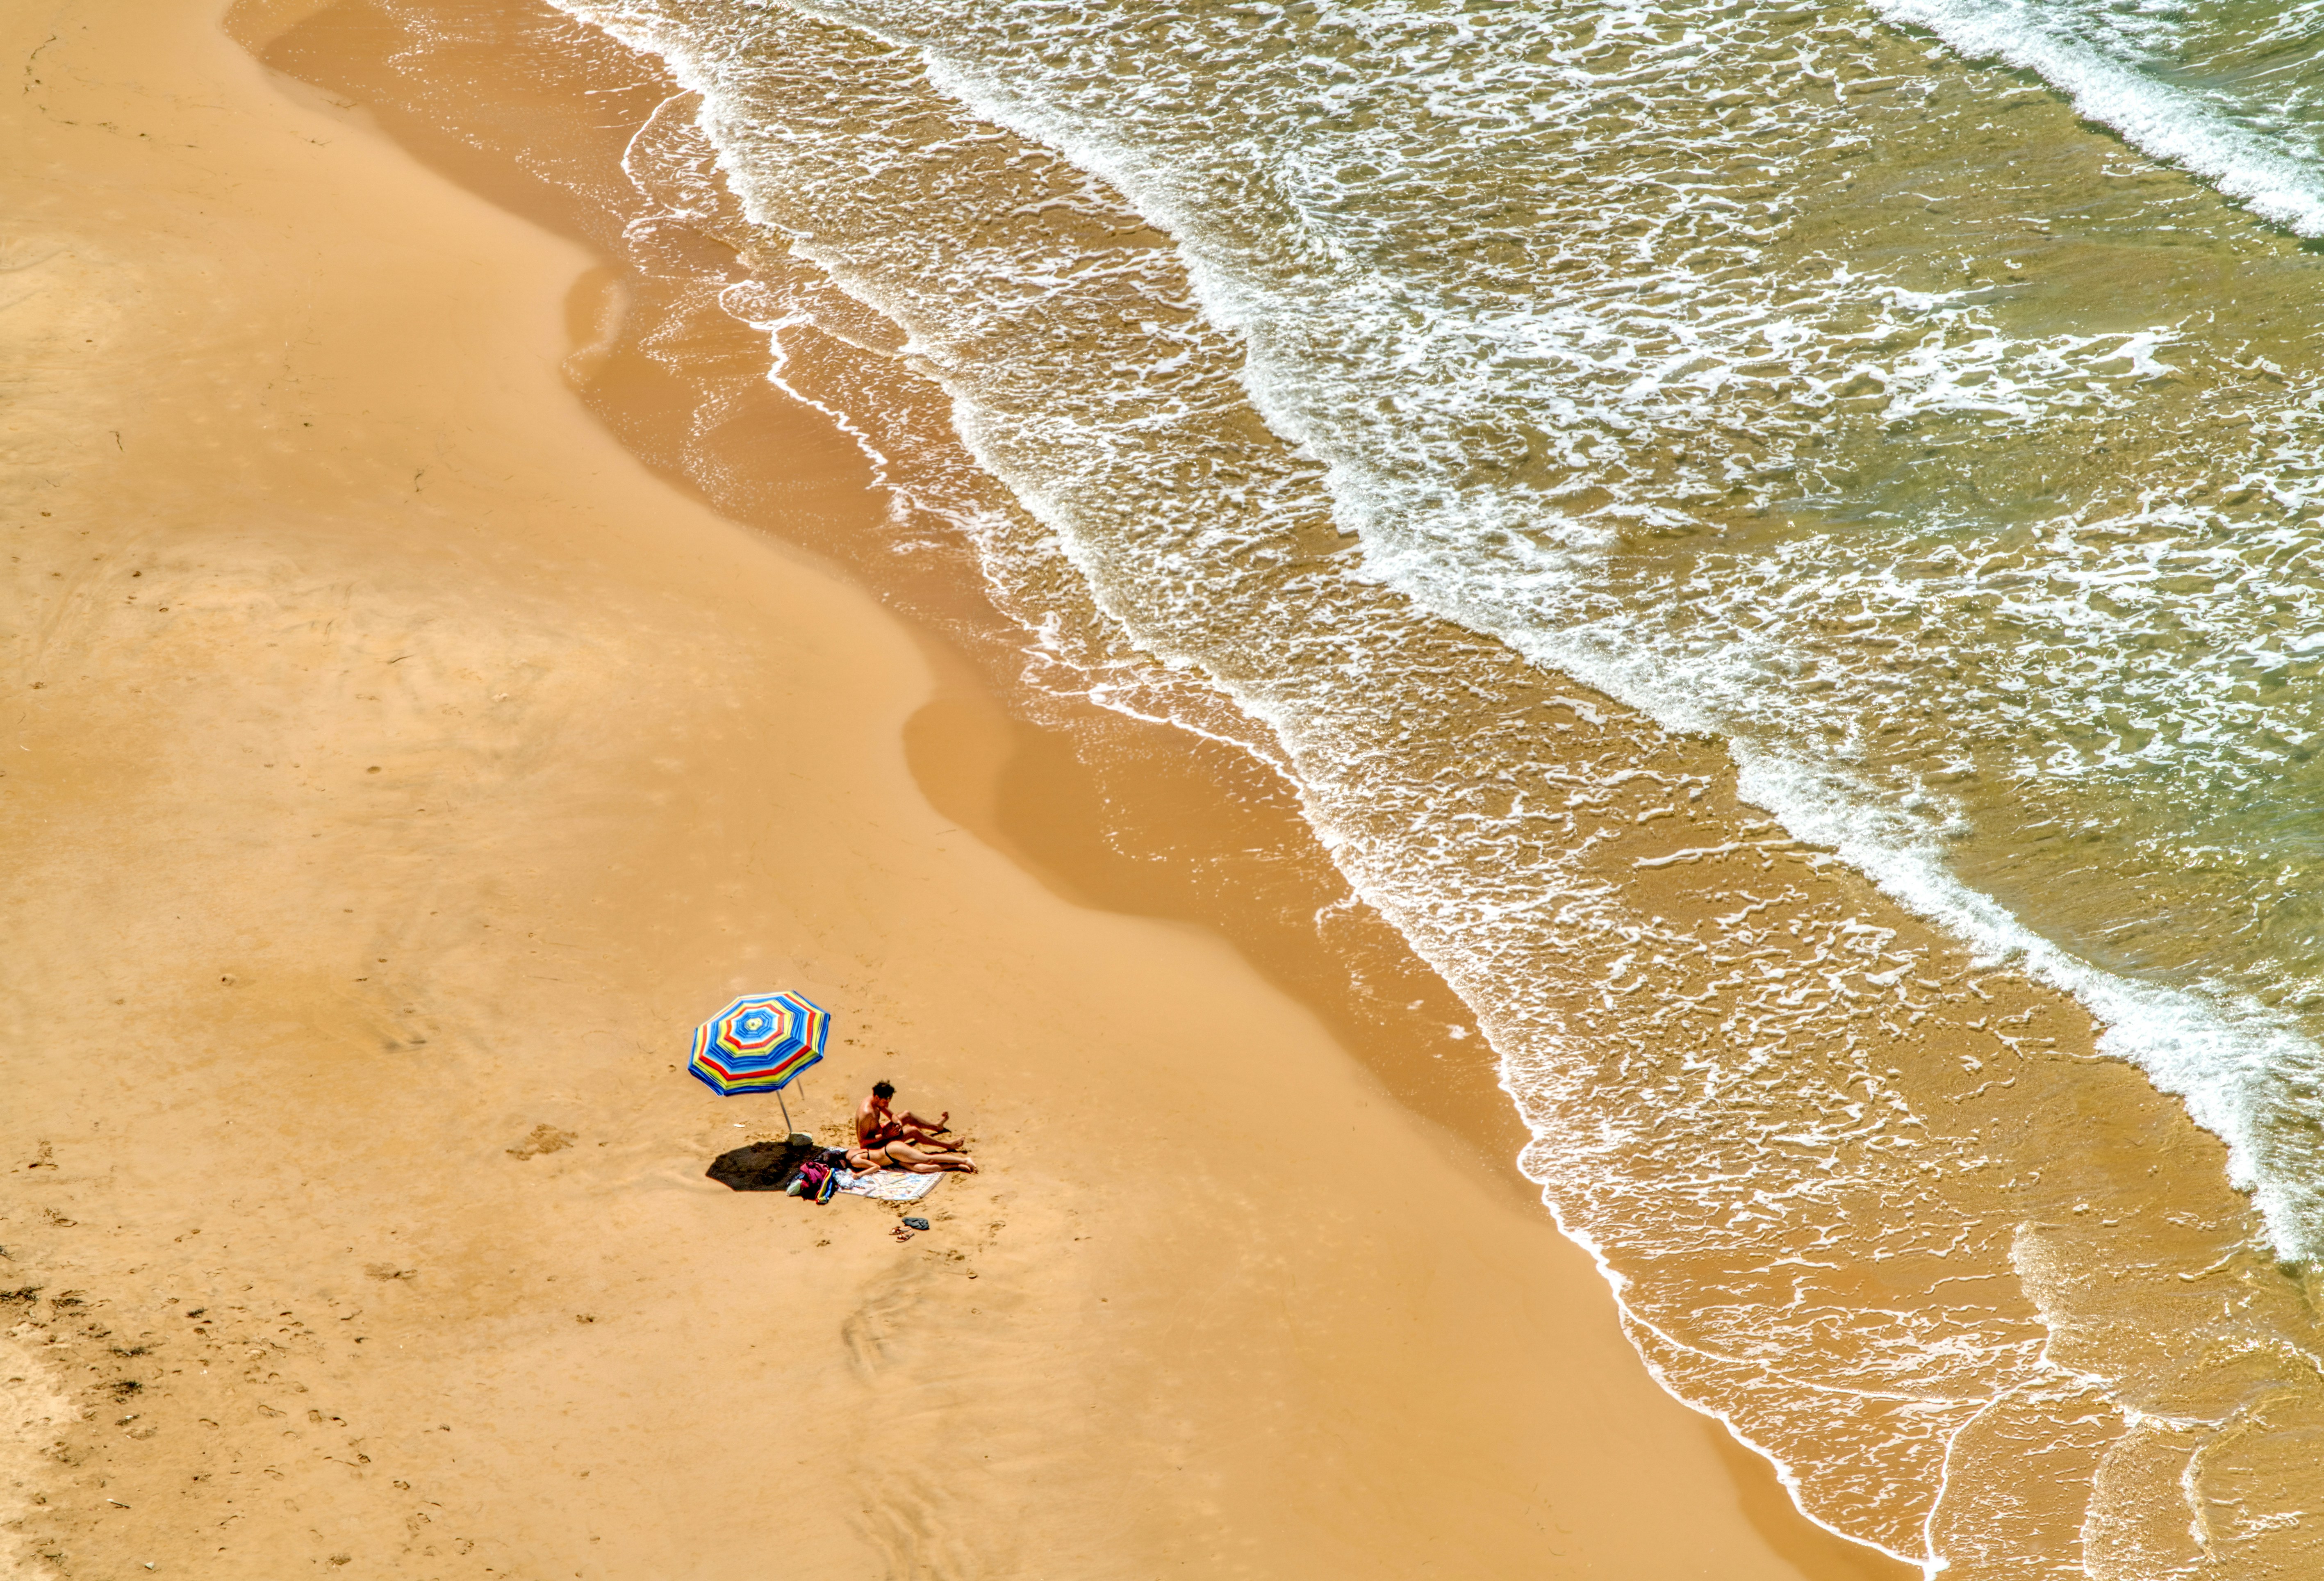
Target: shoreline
{"type": "Point", "coordinates": [1980, 1240]}
{"type": "Point", "coordinates": [1110, 811]}
{"type": "Point", "coordinates": [373, 1115]}
{"type": "Point", "coordinates": [1939, 1289]}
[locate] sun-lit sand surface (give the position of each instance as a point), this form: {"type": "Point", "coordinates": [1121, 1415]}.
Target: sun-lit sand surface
{"type": "Point", "coordinates": [397, 770]}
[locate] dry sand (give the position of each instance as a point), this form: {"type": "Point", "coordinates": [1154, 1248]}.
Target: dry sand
{"type": "Point", "coordinates": [398, 769]}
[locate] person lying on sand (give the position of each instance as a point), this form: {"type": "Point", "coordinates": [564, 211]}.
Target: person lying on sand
{"type": "Point", "coordinates": [904, 1156]}
{"type": "Point", "coordinates": [876, 1123]}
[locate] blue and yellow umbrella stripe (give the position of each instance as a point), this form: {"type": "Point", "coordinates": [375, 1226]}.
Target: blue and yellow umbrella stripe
{"type": "Point", "coordinates": [759, 1043]}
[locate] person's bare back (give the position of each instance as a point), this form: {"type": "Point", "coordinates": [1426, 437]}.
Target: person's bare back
{"type": "Point", "coordinates": [904, 1156]}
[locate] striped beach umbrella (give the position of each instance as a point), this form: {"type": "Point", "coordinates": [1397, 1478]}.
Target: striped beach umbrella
{"type": "Point", "coordinates": [759, 1044]}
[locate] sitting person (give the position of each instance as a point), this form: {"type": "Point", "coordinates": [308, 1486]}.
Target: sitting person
{"type": "Point", "coordinates": [876, 1123]}
{"type": "Point", "coordinates": [904, 1156]}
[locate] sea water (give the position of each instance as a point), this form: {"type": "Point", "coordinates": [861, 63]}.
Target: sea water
{"type": "Point", "coordinates": [1923, 400]}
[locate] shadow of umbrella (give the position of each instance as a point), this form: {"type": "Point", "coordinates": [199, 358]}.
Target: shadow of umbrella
{"type": "Point", "coordinates": [762, 1166]}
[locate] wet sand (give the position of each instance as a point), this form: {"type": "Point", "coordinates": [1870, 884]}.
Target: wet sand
{"type": "Point", "coordinates": [400, 767]}
{"type": "Point", "coordinates": [2007, 1337]}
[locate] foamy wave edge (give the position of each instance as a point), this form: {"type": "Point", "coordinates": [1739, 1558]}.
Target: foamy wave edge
{"type": "Point", "coordinates": [2161, 120]}
{"type": "Point", "coordinates": [2223, 1054]}
{"type": "Point", "coordinates": [2176, 1037]}
{"type": "Point", "coordinates": [2217, 1053]}
{"type": "Point", "coordinates": [2214, 1051]}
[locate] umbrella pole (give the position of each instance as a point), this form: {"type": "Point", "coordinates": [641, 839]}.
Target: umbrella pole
{"type": "Point", "coordinates": [787, 1126]}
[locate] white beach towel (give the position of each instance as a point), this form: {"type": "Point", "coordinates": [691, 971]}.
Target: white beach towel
{"type": "Point", "coordinates": [891, 1185]}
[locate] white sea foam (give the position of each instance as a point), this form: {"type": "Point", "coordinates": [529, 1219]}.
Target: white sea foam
{"type": "Point", "coordinates": [1566, 429]}
{"type": "Point", "coordinates": [2279, 179]}
{"type": "Point", "coordinates": [2232, 1058]}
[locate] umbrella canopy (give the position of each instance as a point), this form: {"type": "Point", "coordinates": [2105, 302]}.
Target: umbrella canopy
{"type": "Point", "coordinates": [759, 1043]}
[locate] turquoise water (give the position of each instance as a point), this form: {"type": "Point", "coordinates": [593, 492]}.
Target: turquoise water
{"type": "Point", "coordinates": [1786, 374]}
{"type": "Point", "coordinates": [1923, 400]}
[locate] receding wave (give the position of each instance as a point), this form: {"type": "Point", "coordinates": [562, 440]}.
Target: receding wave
{"type": "Point", "coordinates": [2277, 175]}
{"type": "Point", "coordinates": [1688, 387]}
{"type": "Point", "coordinates": [1363, 373]}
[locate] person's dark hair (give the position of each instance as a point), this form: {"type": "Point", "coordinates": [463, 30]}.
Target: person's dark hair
{"type": "Point", "coordinates": [883, 1089]}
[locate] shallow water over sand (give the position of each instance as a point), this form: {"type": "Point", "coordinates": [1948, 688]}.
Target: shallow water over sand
{"type": "Point", "coordinates": [1848, 407]}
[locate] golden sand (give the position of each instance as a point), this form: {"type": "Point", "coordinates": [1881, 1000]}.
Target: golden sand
{"type": "Point", "coordinates": [398, 770]}
{"type": "Point", "coordinates": [2004, 1327]}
